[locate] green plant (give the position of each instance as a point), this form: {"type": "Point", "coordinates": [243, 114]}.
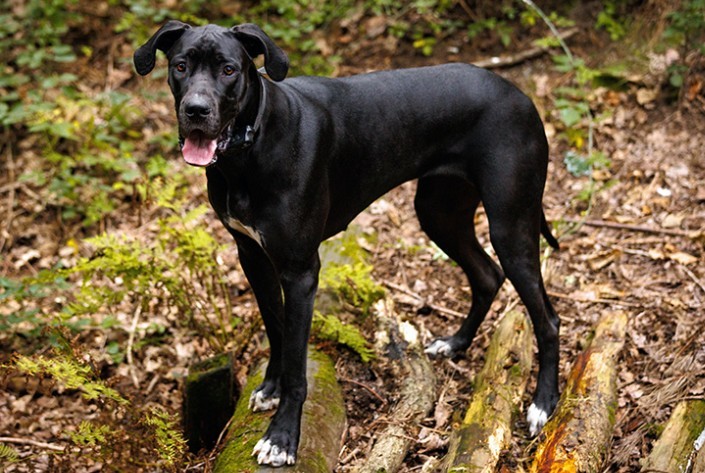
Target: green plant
{"type": "Point", "coordinates": [347, 274]}
{"type": "Point", "coordinates": [330, 327]}
{"type": "Point", "coordinates": [140, 16]}
{"type": "Point", "coordinates": [179, 269]}
{"type": "Point", "coordinates": [89, 144]}
{"type": "Point", "coordinates": [171, 445]}
{"type": "Point", "coordinates": [70, 373]}
{"type": "Point", "coordinates": [8, 454]}
{"type": "Point", "coordinates": [30, 41]}
{"type": "Point", "coordinates": [90, 434]}
{"type": "Point", "coordinates": [610, 20]}
{"type": "Point", "coordinates": [95, 439]}
{"type": "Point", "coordinates": [686, 30]}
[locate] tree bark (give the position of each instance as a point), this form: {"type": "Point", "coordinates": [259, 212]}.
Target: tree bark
{"type": "Point", "coordinates": [322, 425]}
{"type": "Point", "coordinates": [680, 448]}
{"type": "Point", "coordinates": [499, 387]}
{"type": "Point", "coordinates": [577, 438]}
{"type": "Point", "coordinates": [400, 341]}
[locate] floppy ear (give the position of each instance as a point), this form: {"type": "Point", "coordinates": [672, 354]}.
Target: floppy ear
{"type": "Point", "coordinates": [257, 42]}
{"type": "Point", "coordinates": [145, 56]}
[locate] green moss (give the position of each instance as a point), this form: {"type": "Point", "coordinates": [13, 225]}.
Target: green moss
{"type": "Point", "coordinates": [245, 431]}
{"type": "Point", "coordinates": [323, 411]}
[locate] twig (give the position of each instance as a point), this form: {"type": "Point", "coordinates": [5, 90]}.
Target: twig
{"type": "Point", "coordinates": [435, 307]}
{"type": "Point", "coordinates": [222, 432]}
{"type": "Point", "coordinates": [12, 190]}
{"type": "Point", "coordinates": [629, 227]}
{"type": "Point", "coordinates": [463, 4]}
{"type": "Point", "coordinates": [367, 388]}
{"type": "Point", "coordinates": [506, 61]}
{"type": "Point", "coordinates": [34, 443]}
{"type": "Point", "coordinates": [692, 275]}
{"type": "Point", "coordinates": [131, 341]}
{"type": "Point", "coordinates": [552, 27]}
{"type": "Point", "coordinates": [593, 301]}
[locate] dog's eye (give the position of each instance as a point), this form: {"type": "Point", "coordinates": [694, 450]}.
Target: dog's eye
{"type": "Point", "coordinates": [228, 70]}
{"type": "Point", "coordinates": [181, 67]}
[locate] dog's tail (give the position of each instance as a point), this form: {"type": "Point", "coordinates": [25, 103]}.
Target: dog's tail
{"type": "Point", "coordinates": [546, 232]}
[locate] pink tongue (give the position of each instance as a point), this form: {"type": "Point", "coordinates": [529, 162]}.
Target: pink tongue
{"type": "Point", "coordinates": [198, 150]}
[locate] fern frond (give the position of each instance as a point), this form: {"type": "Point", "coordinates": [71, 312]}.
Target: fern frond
{"type": "Point", "coordinates": [329, 327]}
{"type": "Point", "coordinates": [8, 454]}
{"type": "Point", "coordinates": [171, 445]}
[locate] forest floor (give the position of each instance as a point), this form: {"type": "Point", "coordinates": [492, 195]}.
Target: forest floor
{"type": "Point", "coordinates": [640, 249]}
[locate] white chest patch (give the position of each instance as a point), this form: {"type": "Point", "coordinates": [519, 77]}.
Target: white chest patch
{"type": "Point", "coordinates": [238, 226]}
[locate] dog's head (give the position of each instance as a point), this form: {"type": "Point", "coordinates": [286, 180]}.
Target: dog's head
{"type": "Point", "coordinates": [210, 73]}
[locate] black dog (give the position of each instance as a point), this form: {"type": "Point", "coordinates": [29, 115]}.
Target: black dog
{"type": "Point", "coordinates": [291, 163]}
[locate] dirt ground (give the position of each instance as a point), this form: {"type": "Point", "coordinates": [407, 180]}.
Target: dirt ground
{"type": "Point", "coordinates": [640, 248]}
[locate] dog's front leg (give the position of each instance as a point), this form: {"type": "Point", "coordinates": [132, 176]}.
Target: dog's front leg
{"type": "Point", "coordinates": [280, 442]}
{"type": "Point", "coordinates": [265, 283]}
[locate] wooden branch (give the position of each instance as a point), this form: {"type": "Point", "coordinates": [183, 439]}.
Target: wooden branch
{"type": "Point", "coordinates": [34, 443]}
{"type": "Point", "coordinates": [437, 308]}
{"type": "Point", "coordinates": [506, 61]}
{"type": "Point", "coordinates": [632, 228]}
{"type": "Point", "coordinates": [680, 447]}
{"type": "Point", "coordinates": [577, 437]}
{"type": "Point", "coordinates": [322, 424]}
{"type": "Point", "coordinates": [487, 428]}
{"type": "Point", "coordinates": [417, 396]}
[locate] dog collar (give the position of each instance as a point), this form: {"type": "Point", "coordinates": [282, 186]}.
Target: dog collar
{"type": "Point", "coordinates": [243, 138]}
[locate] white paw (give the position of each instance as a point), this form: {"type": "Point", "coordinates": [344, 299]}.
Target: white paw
{"type": "Point", "coordinates": [268, 454]}
{"type": "Point", "coordinates": [439, 347]}
{"type": "Point", "coordinates": [537, 418]}
{"type": "Point", "coordinates": [259, 402]}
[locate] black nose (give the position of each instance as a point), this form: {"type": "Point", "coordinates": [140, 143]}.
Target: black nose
{"type": "Point", "coordinates": [197, 109]}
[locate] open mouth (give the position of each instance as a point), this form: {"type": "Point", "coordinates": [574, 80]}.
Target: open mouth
{"type": "Point", "coordinates": [199, 150]}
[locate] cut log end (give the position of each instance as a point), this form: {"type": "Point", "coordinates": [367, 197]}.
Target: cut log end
{"type": "Point", "coordinates": [210, 391]}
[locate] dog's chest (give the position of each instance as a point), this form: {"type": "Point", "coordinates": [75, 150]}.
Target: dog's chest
{"type": "Point", "coordinates": [236, 225]}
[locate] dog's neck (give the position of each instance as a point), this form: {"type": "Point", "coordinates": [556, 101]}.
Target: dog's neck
{"type": "Point", "coordinates": [243, 134]}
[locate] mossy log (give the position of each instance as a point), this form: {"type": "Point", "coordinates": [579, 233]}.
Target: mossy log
{"type": "Point", "coordinates": [487, 427]}
{"type": "Point", "coordinates": [577, 438]}
{"type": "Point", "coordinates": [399, 341]}
{"type": "Point", "coordinates": [322, 424]}
{"type": "Point", "coordinates": [680, 448]}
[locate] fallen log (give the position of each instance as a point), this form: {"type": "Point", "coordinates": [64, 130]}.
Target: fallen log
{"type": "Point", "coordinates": [680, 449]}
{"type": "Point", "coordinates": [400, 342]}
{"type": "Point", "coordinates": [322, 424]}
{"type": "Point", "coordinates": [487, 427]}
{"type": "Point", "coordinates": [577, 438]}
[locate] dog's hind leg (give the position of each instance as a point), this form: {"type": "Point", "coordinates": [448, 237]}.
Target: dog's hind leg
{"type": "Point", "coordinates": [265, 284]}
{"type": "Point", "coordinates": [515, 223]}
{"type": "Point", "coordinates": [445, 207]}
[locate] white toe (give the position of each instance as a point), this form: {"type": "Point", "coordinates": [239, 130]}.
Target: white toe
{"type": "Point", "coordinates": [268, 454]}
{"type": "Point", "coordinates": [258, 402]}
{"type": "Point", "coordinates": [439, 347]}
{"type": "Point", "coordinates": [537, 418]}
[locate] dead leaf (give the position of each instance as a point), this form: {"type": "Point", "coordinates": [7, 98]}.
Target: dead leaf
{"type": "Point", "coordinates": [602, 260]}
{"type": "Point", "coordinates": [683, 258]}
{"type": "Point", "coordinates": [694, 88]}
{"type": "Point", "coordinates": [646, 96]}
{"type": "Point", "coordinates": [672, 221]}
